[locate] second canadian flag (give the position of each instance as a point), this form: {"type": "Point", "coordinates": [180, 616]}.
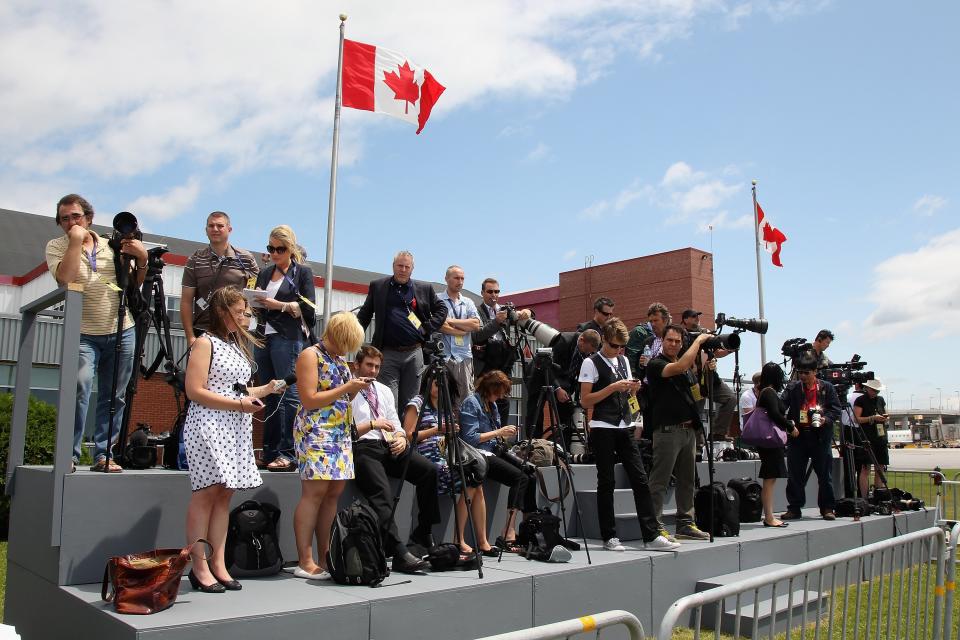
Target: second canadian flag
{"type": "Point", "coordinates": [377, 79]}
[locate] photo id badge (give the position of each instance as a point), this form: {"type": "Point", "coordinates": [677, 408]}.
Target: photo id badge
{"type": "Point", "coordinates": [803, 416]}
{"type": "Point", "coordinates": [695, 391]}
{"type": "Point", "coordinates": [881, 431]}
{"type": "Point", "coordinates": [634, 404]}
{"type": "Point", "coordinates": [252, 282]}
{"type": "Point", "coordinates": [414, 320]}
{"type": "Point", "coordinates": [458, 340]}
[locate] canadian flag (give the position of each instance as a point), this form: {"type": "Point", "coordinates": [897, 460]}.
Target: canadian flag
{"type": "Point", "coordinates": [771, 237]}
{"type": "Point", "coordinates": [377, 79]}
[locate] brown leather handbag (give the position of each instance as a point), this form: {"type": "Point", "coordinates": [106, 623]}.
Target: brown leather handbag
{"type": "Point", "coordinates": [143, 583]}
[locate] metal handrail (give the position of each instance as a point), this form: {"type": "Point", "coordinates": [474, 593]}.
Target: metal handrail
{"type": "Point", "coordinates": [577, 625]}
{"type": "Point", "coordinates": [72, 296]}
{"type": "Point", "coordinates": [937, 478]}
{"type": "Point", "coordinates": [697, 601]}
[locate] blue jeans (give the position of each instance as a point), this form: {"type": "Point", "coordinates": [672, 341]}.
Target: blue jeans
{"type": "Point", "coordinates": [275, 360]}
{"type": "Point", "coordinates": [97, 355]}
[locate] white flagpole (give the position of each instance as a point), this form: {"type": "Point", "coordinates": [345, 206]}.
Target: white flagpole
{"type": "Point", "coordinates": [332, 204]}
{"type": "Point", "coordinates": [756, 234]}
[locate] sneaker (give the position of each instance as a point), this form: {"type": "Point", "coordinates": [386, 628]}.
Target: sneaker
{"type": "Point", "coordinates": [661, 544]}
{"type": "Point", "coordinates": [690, 532]}
{"type": "Point", "coordinates": [613, 544]}
{"type": "Point", "coordinates": [666, 534]}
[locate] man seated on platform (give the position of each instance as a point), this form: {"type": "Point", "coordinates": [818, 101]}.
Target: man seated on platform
{"type": "Point", "coordinates": [381, 451]}
{"type": "Point", "coordinates": [80, 256]}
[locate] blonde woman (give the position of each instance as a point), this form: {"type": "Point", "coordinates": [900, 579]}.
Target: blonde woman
{"type": "Point", "coordinates": [217, 432]}
{"type": "Point", "coordinates": [285, 323]}
{"type": "Point", "coordinates": [322, 437]}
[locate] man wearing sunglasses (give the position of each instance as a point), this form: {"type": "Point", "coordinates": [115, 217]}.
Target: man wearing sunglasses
{"type": "Point", "coordinates": [491, 347]}
{"type": "Point", "coordinates": [602, 311]}
{"type": "Point", "coordinates": [814, 407]}
{"type": "Point", "coordinates": [215, 266]}
{"type": "Point", "coordinates": [81, 256]}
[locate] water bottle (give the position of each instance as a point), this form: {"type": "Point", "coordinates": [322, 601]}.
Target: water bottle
{"type": "Point", "coordinates": [647, 352]}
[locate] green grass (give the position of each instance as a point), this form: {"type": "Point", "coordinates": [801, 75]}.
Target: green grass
{"type": "Point", "coordinates": [855, 598]}
{"type": "Point", "coordinates": [3, 575]}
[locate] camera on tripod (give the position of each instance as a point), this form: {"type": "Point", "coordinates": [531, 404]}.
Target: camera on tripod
{"type": "Point", "coordinates": [125, 227]}
{"type": "Point", "coordinates": [795, 347]}
{"type": "Point", "coordinates": [754, 325]}
{"type": "Point", "coordinates": [433, 348]}
{"type": "Point", "coordinates": [511, 310]}
{"type": "Point", "coordinates": [846, 374]}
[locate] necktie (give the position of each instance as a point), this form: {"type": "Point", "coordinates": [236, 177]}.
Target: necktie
{"type": "Point", "coordinates": [371, 397]}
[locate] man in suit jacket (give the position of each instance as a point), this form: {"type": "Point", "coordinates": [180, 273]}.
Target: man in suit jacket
{"type": "Point", "coordinates": [406, 312]}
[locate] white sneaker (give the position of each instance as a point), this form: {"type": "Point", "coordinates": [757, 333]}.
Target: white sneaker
{"type": "Point", "coordinates": [613, 544]}
{"type": "Point", "coordinates": [661, 544]}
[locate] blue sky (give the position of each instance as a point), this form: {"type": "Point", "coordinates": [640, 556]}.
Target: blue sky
{"type": "Point", "coordinates": [568, 128]}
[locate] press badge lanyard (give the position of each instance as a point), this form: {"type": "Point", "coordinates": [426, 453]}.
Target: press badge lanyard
{"type": "Point", "coordinates": [293, 285]}
{"type": "Point", "coordinates": [458, 340]}
{"type": "Point", "coordinates": [622, 372]}
{"type": "Point", "coordinates": [411, 316]}
{"type": "Point", "coordinates": [92, 259]}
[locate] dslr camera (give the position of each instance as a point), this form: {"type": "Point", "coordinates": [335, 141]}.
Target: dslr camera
{"type": "Point", "coordinates": [505, 453]}
{"type": "Point", "coordinates": [433, 348]}
{"type": "Point", "coordinates": [795, 347]}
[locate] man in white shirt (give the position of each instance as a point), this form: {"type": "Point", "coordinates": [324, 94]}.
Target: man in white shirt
{"type": "Point", "coordinates": [748, 399]}
{"type": "Point", "coordinates": [606, 386]}
{"type": "Point", "coordinates": [382, 450]}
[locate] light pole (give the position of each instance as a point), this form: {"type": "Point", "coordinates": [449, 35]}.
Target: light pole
{"type": "Point", "coordinates": [940, 391]}
{"type": "Point", "coordinates": [891, 400]}
{"type": "Point", "coordinates": [911, 401]}
{"type": "Point", "coordinates": [958, 401]}
{"type": "Point", "coordinates": [931, 403]}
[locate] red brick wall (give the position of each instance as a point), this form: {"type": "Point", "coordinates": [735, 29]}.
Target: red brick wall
{"type": "Point", "coordinates": [155, 405]}
{"type": "Point", "coordinates": [680, 279]}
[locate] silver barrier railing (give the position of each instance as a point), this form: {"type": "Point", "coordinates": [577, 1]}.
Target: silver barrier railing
{"type": "Point", "coordinates": [950, 583]}
{"type": "Point", "coordinates": [72, 296]}
{"type": "Point", "coordinates": [924, 484]}
{"type": "Point", "coordinates": [908, 587]}
{"type": "Point", "coordinates": [567, 628]}
{"type": "Point", "coordinates": [949, 502]}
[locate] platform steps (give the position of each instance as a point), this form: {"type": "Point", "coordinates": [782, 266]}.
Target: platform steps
{"type": "Point", "coordinates": [768, 611]}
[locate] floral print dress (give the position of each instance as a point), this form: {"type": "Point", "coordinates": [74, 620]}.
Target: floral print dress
{"type": "Point", "coordinates": [321, 436]}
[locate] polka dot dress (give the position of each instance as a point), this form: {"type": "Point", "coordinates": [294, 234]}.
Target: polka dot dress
{"type": "Point", "coordinates": [219, 444]}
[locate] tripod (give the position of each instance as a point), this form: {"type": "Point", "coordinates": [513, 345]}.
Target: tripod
{"type": "Point", "coordinates": [708, 426]}
{"type": "Point", "coordinates": [436, 373]}
{"type": "Point", "coordinates": [551, 425]}
{"type": "Point", "coordinates": [847, 450]}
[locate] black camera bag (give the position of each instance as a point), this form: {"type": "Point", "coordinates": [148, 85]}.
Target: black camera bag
{"type": "Point", "coordinates": [848, 507]}
{"type": "Point", "coordinates": [252, 548]}
{"type": "Point", "coordinates": [751, 505]}
{"type": "Point", "coordinates": [726, 509]}
{"type": "Point", "coordinates": [356, 554]}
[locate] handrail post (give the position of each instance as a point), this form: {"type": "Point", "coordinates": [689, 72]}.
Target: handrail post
{"type": "Point", "coordinates": [72, 296]}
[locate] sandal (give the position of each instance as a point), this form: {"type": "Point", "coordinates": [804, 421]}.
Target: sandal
{"type": "Point", "coordinates": [509, 546]}
{"type": "Point", "coordinates": [281, 464]}
{"type": "Point", "coordinates": [108, 467]}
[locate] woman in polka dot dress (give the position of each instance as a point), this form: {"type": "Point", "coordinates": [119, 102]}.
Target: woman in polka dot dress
{"type": "Point", "coordinates": [321, 437]}
{"type": "Point", "coordinates": [217, 433]}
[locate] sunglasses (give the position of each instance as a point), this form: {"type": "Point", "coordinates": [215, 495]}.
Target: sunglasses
{"type": "Point", "coordinates": [493, 290]}
{"type": "Point", "coordinates": [605, 314]}
{"type": "Point", "coordinates": [617, 346]}
{"type": "Point", "coordinates": [272, 249]}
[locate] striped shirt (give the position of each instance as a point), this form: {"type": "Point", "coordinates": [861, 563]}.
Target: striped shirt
{"type": "Point", "coordinates": [100, 303]}
{"type": "Point", "coordinates": [205, 272]}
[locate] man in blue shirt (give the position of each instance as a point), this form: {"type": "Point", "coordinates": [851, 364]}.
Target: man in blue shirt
{"type": "Point", "coordinates": [462, 319]}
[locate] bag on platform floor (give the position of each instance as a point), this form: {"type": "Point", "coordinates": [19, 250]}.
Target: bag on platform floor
{"type": "Point", "coordinates": [356, 550]}
{"type": "Point", "coordinates": [726, 509]}
{"type": "Point", "coordinates": [751, 504]}
{"type": "Point", "coordinates": [252, 548]}
{"type": "Point", "coordinates": [848, 507]}
{"type": "Point", "coordinates": [143, 583]}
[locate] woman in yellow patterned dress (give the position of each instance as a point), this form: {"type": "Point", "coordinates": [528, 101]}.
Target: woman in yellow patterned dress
{"type": "Point", "coordinates": [321, 436]}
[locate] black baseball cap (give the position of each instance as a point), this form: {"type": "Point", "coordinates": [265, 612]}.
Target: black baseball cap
{"type": "Point", "coordinates": [690, 313]}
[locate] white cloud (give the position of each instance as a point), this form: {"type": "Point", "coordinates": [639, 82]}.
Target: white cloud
{"type": "Point", "coordinates": [538, 153]}
{"type": "Point", "coordinates": [679, 173]}
{"type": "Point", "coordinates": [705, 196]}
{"type": "Point", "coordinates": [928, 204]}
{"type": "Point", "coordinates": [595, 210]}
{"type": "Point", "coordinates": [917, 289]}
{"type": "Point", "coordinates": [570, 255]}
{"type": "Point", "coordinates": [167, 205]}
{"type": "Point", "coordinates": [722, 220]}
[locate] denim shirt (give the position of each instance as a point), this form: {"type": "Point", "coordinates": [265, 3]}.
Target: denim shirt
{"type": "Point", "coordinates": [474, 421]}
{"type": "Point", "coordinates": [461, 310]}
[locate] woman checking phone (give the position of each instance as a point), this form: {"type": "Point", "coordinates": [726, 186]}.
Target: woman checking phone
{"type": "Point", "coordinates": [217, 432]}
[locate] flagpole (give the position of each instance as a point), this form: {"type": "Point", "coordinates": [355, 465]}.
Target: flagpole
{"type": "Point", "coordinates": [756, 234]}
{"type": "Point", "coordinates": [332, 203]}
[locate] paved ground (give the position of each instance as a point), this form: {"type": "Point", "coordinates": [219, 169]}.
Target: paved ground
{"type": "Point", "coordinates": [925, 458]}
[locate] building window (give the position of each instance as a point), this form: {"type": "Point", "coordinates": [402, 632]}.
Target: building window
{"type": "Point", "coordinates": [173, 311]}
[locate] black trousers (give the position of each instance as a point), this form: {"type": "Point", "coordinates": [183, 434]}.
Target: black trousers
{"type": "Point", "coordinates": [522, 493]}
{"type": "Point", "coordinates": [606, 442]}
{"type": "Point", "coordinates": [373, 464]}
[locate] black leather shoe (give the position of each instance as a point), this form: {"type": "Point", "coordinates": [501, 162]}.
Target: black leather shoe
{"type": "Point", "coordinates": [230, 585]}
{"type": "Point", "coordinates": [216, 587]}
{"type": "Point", "coordinates": [424, 540]}
{"type": "Point", "coordinates": [409, 563]}
{"type": "Point", "coordinates": [790, 515]}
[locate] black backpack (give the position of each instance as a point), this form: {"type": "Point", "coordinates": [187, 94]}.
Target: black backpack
{"type": "Point", "coordinates": [447, 556]}
{"type": "Point", "coordinates": [848, 507]}
{"type": "Point", "coordinates": [356, 550]}
{"type": "Point", "coordinates": [252, 548]}
{"type": "Point", "coordinates": [751, 505]}
{"type": "Point", "coordinates": [726, 509]}
{"type": "Point", "coordinates": [539, 533]}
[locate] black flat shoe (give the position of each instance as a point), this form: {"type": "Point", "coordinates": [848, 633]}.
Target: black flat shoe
{"type": "Point", "coordinates": [230, 585]}
{"type": "Point", "coordinates": [782, 524]}
{"type": "Point", "coordinates": [216, 587]}
{"type": "Point", "coordinates": [492, 552]}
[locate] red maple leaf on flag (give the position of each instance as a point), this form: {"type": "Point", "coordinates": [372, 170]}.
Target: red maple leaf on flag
{"type": "Point", "coordinates": [403, 85]}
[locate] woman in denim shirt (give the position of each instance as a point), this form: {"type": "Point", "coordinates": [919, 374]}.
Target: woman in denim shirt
{"type": "Point", "coordinates": [480, 426]}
